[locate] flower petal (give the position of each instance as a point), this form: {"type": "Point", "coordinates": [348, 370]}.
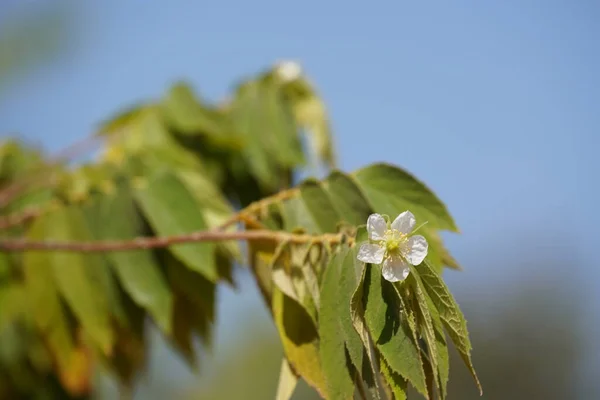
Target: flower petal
{"type": "Point", "coordinates": [404, 223]}
{"type": "Point", "coordinates": [376, 227]}
{"type": "Point", "coordinates": [395, 269]}
{"type": "Point", "coordinates": [371, 253]}
{"type": "Point", "coordinates": [415, 249]}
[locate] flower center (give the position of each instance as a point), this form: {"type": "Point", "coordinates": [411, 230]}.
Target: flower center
{"type": "Point", "coordinates": [393, 240]}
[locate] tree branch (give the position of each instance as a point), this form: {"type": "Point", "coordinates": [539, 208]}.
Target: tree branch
{"type": "Point", "coordinates": [157, 242]}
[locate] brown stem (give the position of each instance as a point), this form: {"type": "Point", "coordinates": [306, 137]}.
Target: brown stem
{"type": "Point", "coordinates": [155, 242]}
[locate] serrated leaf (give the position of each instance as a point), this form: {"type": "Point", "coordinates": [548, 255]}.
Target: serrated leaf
{"type": "Point", "coordinates": [338, 337]}
{"type": "Point", "coordinates": [396, 383]}
{"type": "Point", "coordinates": [391, 333]}
{"type": "Point", "coordinates": [450, 314]}
{"type": "Point", "coordinates": [77, 277]}
{"type": "Point", "coordinates": [428, 331]}
{"type": "Point", "coordinates": [287, 382]}
{"type": "Point", "coordinates": [370, 369]}
{"type": "Point", "coordinates": [172, 210]}
{"type": "Point", "coordinates": [392, 190]}
{"type": "Point", "coordinates": [300, 339]}
{"type": "Point", "coordinates": [137, 270]}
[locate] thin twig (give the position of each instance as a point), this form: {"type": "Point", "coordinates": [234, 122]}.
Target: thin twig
{"type": "Point", "coordinates": [156, 242]}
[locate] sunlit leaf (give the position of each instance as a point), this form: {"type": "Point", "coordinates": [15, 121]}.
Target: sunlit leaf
{"type": "Point", "coordinates": [392, 190]}
{"type": "Point", "coordinates": [300, 340]}
{"type": "Point", "coordinates": [450, 314]}
{"type": "Point", "coordinates": [334, 334]}
{"type": "Point", "coordinates": [390, 329]}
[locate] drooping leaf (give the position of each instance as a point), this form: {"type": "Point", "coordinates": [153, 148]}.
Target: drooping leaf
{"type": "Point", "coordinates": [428, 331]}
{"type": "Point", "coordinates": [450, 314]}
{"type": "Point", "coordinates": [391, 332]}
{"type": "Point", "coordinates": [335, 330]}
{"type": "Point", "coordinates": [77, 276]}
{"type": "Point", "coordinates": [396, 383]}
{"type": "Point", "coordinates": [300, 339]}
{"type": "Point", "coordinates": [137, 270]}
{"type": "Point", "coordinates": [172, 210]}
{"type": "Point", "coordinates": [43, 299]}
{"type": "Point", "coordinates": [370, 370]}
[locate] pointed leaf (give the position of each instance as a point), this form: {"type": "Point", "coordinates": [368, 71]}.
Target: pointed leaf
{"type": "Point", "coordinates": [396, 383]}
{"type": "Point", "coordinates": [427, 329]}
{"type": "Point", "coordinates": [300, 340]}
{"type": "Point", "coordinates": [172, 210]}
{"type": "Point", "coordinates": [451, 316]}
{"type": "Point", "coordinates": [392, 190]}
{"type": "Point", "coordinates": [137, 270]}
{"type": "Point", "coordinates": [391, 332]}
{"type": "Point", "coordinates": [77, 276]}
{"type": "Point", "coordinates": [336, 326]}
{"type": "Point", "coordinates": [43, 298]}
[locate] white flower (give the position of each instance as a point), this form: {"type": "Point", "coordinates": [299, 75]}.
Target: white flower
{"type": "Point", "coordinates": [288, 70]}
{"type": "Point", "coordinates": [393, 246]}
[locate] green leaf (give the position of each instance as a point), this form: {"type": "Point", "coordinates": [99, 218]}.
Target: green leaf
{"type": "Point", "coordinates": [337, 334]}
{"type": "Point", "coordinates": [215, 207]}
{"type": "Point", "coordinates": [392, 190]}
{"type": "Point", "coordinates": [450, 314]}
{"type": "Point", "coordinates": [43, 301]}
{"type": "Point", "coordinates": [13, 298]}
{"type": "Point", "coordinates": [287, 382]}
{"type": "Point", "coordinates": [172, 210]}
{"type": "Point", "coordinates": [192, 285]}
{"type": "Point", "coordinates": [187, 114]}
{"type": "Point", "coordinates": [427, 329]}
{"type": "Point", "coordinates": [370, 370]}
{"type": "Point", "coordinates": [396, 383]}
{"type": "Point", "coordinates": [77, 277]}
{"type": "Point", "coordinates": [391, 332]}
{"type": "Point", "coordinates": [137, 270]}
{"type": "Point", "coordinates": [311, 211]}
{"type": "Point", "coordinates": [350, 203]}
{"type": "Point", "coordinates": [300, 339]}
{"type": "Point", "coordinates": [319, 206]}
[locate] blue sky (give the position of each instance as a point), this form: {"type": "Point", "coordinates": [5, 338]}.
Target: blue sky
{"type": "Point", "coordinates": [494, 104]}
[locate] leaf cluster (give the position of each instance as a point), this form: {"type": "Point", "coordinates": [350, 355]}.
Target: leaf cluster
{"type": "Point", "coordinates": [182, 165]}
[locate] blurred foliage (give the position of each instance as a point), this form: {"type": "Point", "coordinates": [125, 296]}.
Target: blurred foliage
{"type": "Point", "coordinates": [181, 165]}
{"type": "Point", "coordinates": [31, 36]}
